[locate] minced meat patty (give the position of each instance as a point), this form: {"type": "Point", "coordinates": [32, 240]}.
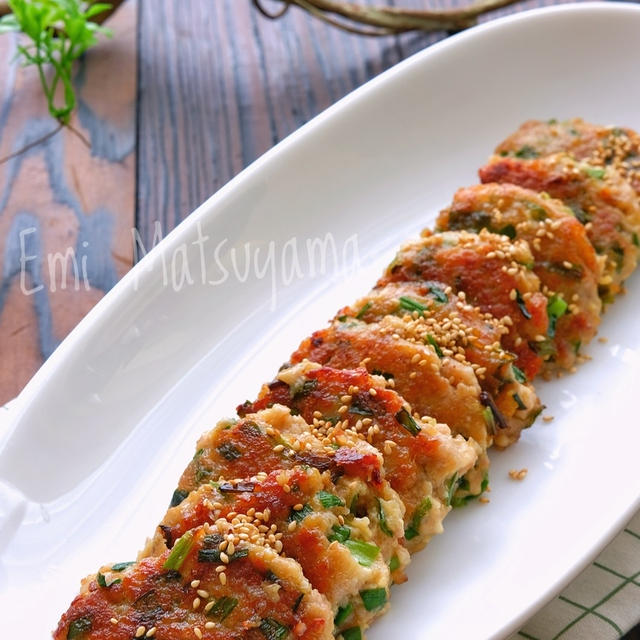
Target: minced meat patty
{"type": "Point", "coordinates": [490, 272]}
{"type": "Point", "coordinates": [431, 314]}
{"type": "Point", "coordinates": [420, 457]}
{"type": "Point", "coordinates": [184, 593]}
{"type": "Point", "coordinates": [564, 260]}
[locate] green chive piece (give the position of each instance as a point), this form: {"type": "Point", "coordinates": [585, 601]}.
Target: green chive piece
{"type": "Point", "coordinates": [340, 533]}
{"type": "Point", "coordinates": [522, 306]}
{"type": "Point", "coordinates": [451, 488]}
{"type": "Point", "coordinates": [407, 421]}
{"type": "Point", "coordinates": [432, 341]}
{"type": "Point", "coordinates": [413, 530]}
{"type": "Point", "coordinates": [79, 627]}
{"type": "Point", "coordinates": [438, 294]}
{"type": "Point", "coordinates": [179, 552]}
{"type": "Point", "coordinates": [352, 633]}
{"type": "Point", "coordinates": [328, 500]}
{"type": "Point", "coordinates": [373, 598]}
{"type": "Point", "coordinates": [521, 405]}
{"type": "Point", "coordinates": [489, 419]}
{"type": "Point", "coordinates": [121, 566]}
{"type": "Point", "coordinates": [382, 520]}
{"type": "Point", "coordinates": [634, 239]}
{"type": "Point", "coordinates": [271, 629]}
{"type": "Point", "coordinates": [222, 608]}
{"type": "Point", "coordinates": [102, 581]}
{"type": "Point", "coordinates": [299, 516]}
{"type": "Point", "coordinates": [364, 552]}
{"type": "Point", "coordinates": [342, 614]}
{"type": "Point", "coordinates": [556, 308]}
{"type": "Point", "coordinates": [296, 604]}
{"type": "Point", "coordinates": [508, 230]}
{"type": "Point", "coordinates": [526, 152]}
{"type": "Point", "coordinates": [229, 451]}
{"type": "Point", "coordinates": [411, 305]}
{"type": "Point", "coordinates": [362, 311]}
{"type": "Point", "coordinates": [394, 564]}
{"type": "Point", "coordinates": [178, 496]}
{"type": "Point", "coordinates": [518, 374]}
{"type": "Point", "coordinates": [595, 172]}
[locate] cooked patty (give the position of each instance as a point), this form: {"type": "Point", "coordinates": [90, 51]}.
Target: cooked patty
{"type": "Point", "coordinates": [440, 388]}
{"type": "Point", "coordinates": [489, 272]}
{"type": "Point", "coordinates": [599, 146]}
{"type": "Point", "coordinates": [432, 315]}
{"type": "Point", "coordinates": [422, 462]}
{"type": "Point", "coordinates": [268, 440]}
{"type": "Point", "coordinates": [564, 260]}
{"type": "Point", "coordinates": [182, 593]}
{"type": "Point", "coordinates": [346, 535]}
{"type": "Point", "coordinates": [598, 197]}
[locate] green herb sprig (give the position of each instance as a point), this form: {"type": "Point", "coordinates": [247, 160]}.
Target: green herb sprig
{"type": "Point", "coordinates": [59, 32]}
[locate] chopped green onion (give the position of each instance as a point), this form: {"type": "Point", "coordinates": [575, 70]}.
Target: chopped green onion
{"type": "Point", "coordinates": [102, 581]}
{"type": "Point", "coordinates": [411, 305]}
{"type": "Point", "coordinates": [352, 633]}
{"type": "Point", "coordinates": [556, 308]}
{"type": "Point", "coordinates": [178, 496]}
{"type": "Point", "coordinates": [595, 172]}
{"type": "Point", "coordinates": [521, 405]}
{"type": "Point", "coordinates": [342, 318]}
{"type": "Point", "coordinates": [79, 627]}
{"type": "Point", "coordinates": [373, 598]}
{"type": "Point", "coordinates": [271, 629]}
{"type": "Point", "coordinates": [432, 341]}
{"type": "Point", "coordinates": [302, 388]}
{"type": "Point", "coordinates": [364, 310]}
{"type": "Point", "coordinates": [229, 451]}
{"type": "Point", "coordinates": [296, 604]}
{"type": "Point", "coordinates": [358, 408]}
{"type": "Point", "coordinates": [581, 215]}
{"type": "Point", "coordinates": [364, 552]}
{"type": "Point", "coordinates": [489, 419]}
{"type": "Point", "coordinates": [523, 307]}
{"type": "Point", "coordinates": [179, 552]}
{"type": "Point", "coordinates": [451, 488]}
{"type": "Point", "coordinates": [394, 564]}
{"type": "Point", "coordinates": [438, 294]}
{"type": "Point", "coordinates": [518, 374]}
{"type": "Point", "coordinates": [342, 614]}
{"type": "Point", "coordinates": [527, 152]}
{"type": "Point", "coordinates": [382, 520]}
{"type": "Point", "coordinates": [340, 533]}
{"type": "Point", "coordinates": [634, 239]}
{"type": "Point", "coordinates": [121, 566]}
{"type": "Point", "coordinates": [508, 230]}
{"type": "Point", "coordinates": [413, 529]}
{"type": "Point", "coordinates": [407, 421]}
{"type": "Point", "coordinates": [299, 516]}
{"type": "Point", "coordinates": [222, 608]}
{"type": "Point", "coordinates": [328, 500]}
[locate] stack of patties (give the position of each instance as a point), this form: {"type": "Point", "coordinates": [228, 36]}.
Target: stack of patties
{"type": "Point", "coordinates": [294, 519]}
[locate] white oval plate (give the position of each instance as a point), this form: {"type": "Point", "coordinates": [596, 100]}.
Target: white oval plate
{"type": "Point", "coordinates": [104, 429]}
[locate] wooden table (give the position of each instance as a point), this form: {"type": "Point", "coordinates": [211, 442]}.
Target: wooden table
{"type": "Point", "coordinates": [184, 96]}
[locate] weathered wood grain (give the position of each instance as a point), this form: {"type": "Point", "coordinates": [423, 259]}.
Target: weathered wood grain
{"type": "Point", "coordinates": [220, 84]}
{"type": "Point", "coordinates": [61, 202]}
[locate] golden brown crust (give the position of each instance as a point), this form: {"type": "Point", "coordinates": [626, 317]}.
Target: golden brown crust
{"type": "Point", "coordinates": [564, 259]}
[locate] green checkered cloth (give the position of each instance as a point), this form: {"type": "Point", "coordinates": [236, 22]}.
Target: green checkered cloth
{"type": "Point", "coordinates": [603, 602]}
